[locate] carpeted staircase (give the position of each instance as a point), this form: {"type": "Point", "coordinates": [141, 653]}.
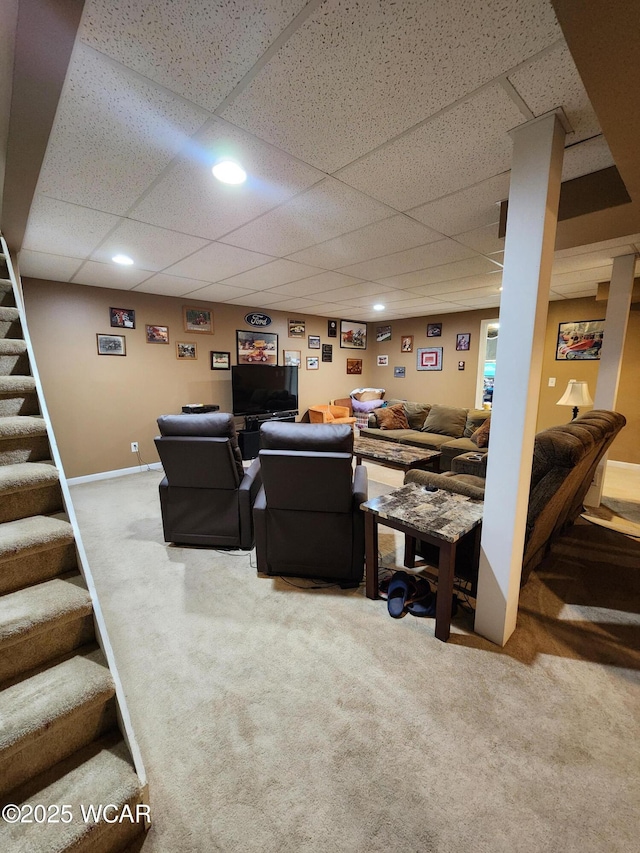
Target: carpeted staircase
{"type": "Point", "coordinates": [60, 716]}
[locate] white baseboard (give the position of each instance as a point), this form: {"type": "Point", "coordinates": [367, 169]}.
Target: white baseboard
{"type": "Point", "coordinates": [120, 472]}
{"type": "Point", "coordinates": [632, 466]}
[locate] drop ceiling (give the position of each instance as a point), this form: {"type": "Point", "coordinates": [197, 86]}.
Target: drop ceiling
{"type": "Point", "coordinates": [375, 137]}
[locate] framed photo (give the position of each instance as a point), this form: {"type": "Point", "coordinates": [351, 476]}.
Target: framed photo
{"type": "Point", "coordinates": [157, 334]}
{"type": "Point", "coordinates": [296, 328]}
{"type": "Point", "coordinates": [461, 365]}
{"type": "Point", "coordinates": [463, 341]}
{"type": "Point", "coordinates": [186, 350]}
{"type": "Point", "coordinates": [313, 362]}
{"type": "Point", "coordinates": [399, 372]}
{"type": "Point", "coordinates": [580, 340]}
{"type": "Point", "coordinates": [122, 318]}
{"type": "Point", "coordinates": [327, 352]}
{"type": "Point", "coordinates": [256, 347]}
{"type": "Point", "coordinates": [434, 330]}
{"type": "Point", "coordinates": [292, 358]}
{"type": "Point", "coordinates": [429, 358]}
{"type": "Point", "coordinates": [383, 360]}
{"type": "Point", "coordinates": [353, 335]}
{"type": "Point", "coordinates": [354, 366]}
{"type": "Point", "coordinates": [332, 328]}
{"type": "Point", "coordinates": [383, 333]}
{"type": "Point", "coordinates": [220, 361]}
{"type": "Point", "coordinates": [406, 343]}
{"type": "Point", "coordinates": [314, 342]}
{"type": "Point", "coordinates": [111, 344]}
{"type": "Point", "coordinates": [198, 320]}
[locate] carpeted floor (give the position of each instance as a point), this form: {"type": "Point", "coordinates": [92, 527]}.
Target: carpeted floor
{"type": "Point", "coordinates": [273, 718]}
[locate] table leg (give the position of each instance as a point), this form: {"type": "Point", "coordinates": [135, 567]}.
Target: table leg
{"type": "Point", "coordinates": [409, 551]}
{"type": "Point", "coordinates": [371, 554]}
{"type": "Point", "coordinates": [446, 568]}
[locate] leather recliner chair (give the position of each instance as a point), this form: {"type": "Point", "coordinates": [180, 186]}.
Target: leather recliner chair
{"type": "Point", "coordinates": [206, 497]}
{"type": "Point", "coordinates": [307, 515]}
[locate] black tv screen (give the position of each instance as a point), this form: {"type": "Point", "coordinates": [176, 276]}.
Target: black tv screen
{"type": "Point", "coordinates": [260, 389]}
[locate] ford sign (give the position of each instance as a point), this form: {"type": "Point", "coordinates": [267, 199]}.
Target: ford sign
{"type": "Point", "coordinates": [257, 319]}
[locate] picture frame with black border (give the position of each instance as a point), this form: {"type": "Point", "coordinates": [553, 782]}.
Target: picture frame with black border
{"type": "Point", "coordinates": [111, 344]}
{"type": "Point", "coordinates": [434, 330]}
{"type": "Point", "coordinates": [122, 318]}
{"type": "Point", "coordinates": [327, 352]}
{"type": "Point", "coordinates": [332, 328]}
{"type": "Point", "coordinates": [463, 341]}
{"type": "Point", "coordinates": [399, 372]}
{"type": "Point", "coordinates": [383, 333]}
{"type": "Point", "coordinates": [353, 334]}
{"type": "Point", "coordinates": [461, 365]}
{"type": "Point", "coordinates": [220, 361]}
{"type": "Point", "coordinates": [313, 341]}
{"type": "Point", "coordinates": [296, 328]}
{"type": "Point", "coordinates": [580, 340]}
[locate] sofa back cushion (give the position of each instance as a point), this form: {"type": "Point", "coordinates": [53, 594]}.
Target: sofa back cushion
{"type": "Point", "coordinates": [416, 413]}
{"type": "Point", "coordinates": [446, 420]}
{"type": "Point", "coordinates": [475, 419]}
{"type": "Point", "coordinates": [392, 417]}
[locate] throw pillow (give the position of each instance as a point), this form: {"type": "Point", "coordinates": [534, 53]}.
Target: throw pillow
{"type": "Point", "coordinates": [481, 435]}
{"type": "Point", "coordinates": [416, 413]}
{"type": "Point", "coordinates": [475, 419]}
{"type": "Point", "coordinates": [446, 420]}
{"type": "Point", "coordinates": [392, 417]}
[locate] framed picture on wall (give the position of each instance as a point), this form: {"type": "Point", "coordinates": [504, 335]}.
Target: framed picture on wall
{"type": "Point", "coordinates": [434, 330]}
{"type": "Point", "coordinates": [122, 318]}
{"type": "Point", "coordinates": [296, 328]}
{"type": "Point", "coordinates": [313, 362]}
{"type": "Point", "coordinates": [111, 344]}
{"type": "Point", "coordinates": [157, 334]}
{"type": "Point", "coordinates": [257, 347]}
{"type": "Point", "coordinates": [327, 352]}
{"type": "Point", "coordinates": [463, 341]}
{"type": "Point", "coordinates": [313, 342]}
{"type": "Point", "coordinates": [354, 366]}
{"type": "Point", "coordinates": [198, 320]}
{"type": "Point", "coordinates": [186, 350]}
{"type": "Point", "coordinates": [429, 358]}
{"type": "Point", "coordinates": [332, 328]}
{"type": "Point", "coordinates": [580, 340]}
{"type": "Point", "coordinates": [399, 372]}
{"type": "Point", "coordinates": [220, 361]}
{"type": "Point", "coordinates": [383, 333]}
{"type": "Point", "coordinates": [292, 358]}
{"type": "Point", "coordinates": [406, 343]}
{"type": "Point", "coordinates": [383, 360]}
{"type": "Point", "coordinates": [353, 335]}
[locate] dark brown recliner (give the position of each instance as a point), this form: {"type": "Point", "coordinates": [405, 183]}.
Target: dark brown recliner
{"type": "Point", "coordinates": [206, 496]}
{"type": "Point", "coordinates": [307, 516]}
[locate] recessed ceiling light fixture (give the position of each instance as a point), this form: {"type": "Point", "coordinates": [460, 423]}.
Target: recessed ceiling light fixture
{"type": "Point", "coordinates": [125, 260]}
{"type": "Point", "coordinates": [229, 172]}
{"type": "Point", "coordinates": [378, 307]}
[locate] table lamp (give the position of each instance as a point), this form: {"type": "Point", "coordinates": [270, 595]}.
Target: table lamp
{"type": "Point", "coordinates": [577, 394]}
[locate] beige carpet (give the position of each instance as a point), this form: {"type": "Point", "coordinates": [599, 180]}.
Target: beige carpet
{"type": "Point", "coordinates": [273, 718]}
{"type": "Point", "coordinates": [616, 514]}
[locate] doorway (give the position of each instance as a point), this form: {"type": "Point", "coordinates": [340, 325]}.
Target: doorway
{"type": "Point", "coordinates": [486, 363]}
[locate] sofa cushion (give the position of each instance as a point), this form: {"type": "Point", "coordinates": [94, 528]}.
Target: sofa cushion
{"type": "Point", "coordinates": [430, 440]}
{"type": "Point", "coordinates": [416, 413]}
{"type": "Point", "coordinates": [481, 436]}
{"type": "Point", "coordinates": [392, 417]}
{"type": "Point", "coordinates": [446, 420]}
{"type": "Point", "coordinates": [475, 419]}
{"type": "Point", "coordinates": [386, 434]}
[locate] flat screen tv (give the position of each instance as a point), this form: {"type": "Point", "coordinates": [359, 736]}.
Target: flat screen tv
{"type": "Point", "coordinates": [262, 389]}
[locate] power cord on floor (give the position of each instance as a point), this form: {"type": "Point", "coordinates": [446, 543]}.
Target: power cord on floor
{"type": "Point", "coordinates": [141, 463]}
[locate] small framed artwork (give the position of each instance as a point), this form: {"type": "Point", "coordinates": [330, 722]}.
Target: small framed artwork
{"type": "Point", "coordinates": [383, 333]}
{"type": "Point", "coordinates": [157, 334]}
{"type": "Point", "coordinates": [198, 320]}
{"type": "Point", "coordinates": [186, 350]}
{"type": "Point", "coordinates": [292, 357]}
{"type": "Point", "coordinates": [122, 318]}
{"type": "Point", "coordinates": [111, 344]}
{"type": "Point", "coordinates": [313, 362]}
{"type": "Point", "coordinates": [296, 328]}
{"type": "Point", "coordinates": [313, 342]}
{"type": "Point", "coordinates": [220, 361]}
{"type": "Point", "coordinates": [327, 352]}
{"type": "Point", "coordinates": [429, 358]}
{"type": "Point", "coordinates": [463, 341]}
{"type": "Point", "coordinates": [434, 330]}
{"type": "Point", "coordinates": [580, 340]}
{"type": "Point", "coordinates": [354, 366]}
{"type": "Point", "coordinates": [257, 347]}
{"type": "Point", "coordinates": [332, 328]}
{"type": "Point", "coordinates": [406, 343]}
{"type": "Point", "coordinates": [399, 372]}
{"type": "Point", "coordinates": [383, 360]}
{"type": "Point", "coordinates": [353, 335]}
{"type": "Point", "coordinates": [461, 365]}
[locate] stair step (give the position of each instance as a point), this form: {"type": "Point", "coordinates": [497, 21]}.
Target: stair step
{"type": "Point", "coordinates": [18, 396]}
{"type": "Point", "coordinates": [23, 439]}
{"type": "Point", "coordinates": [14, 359]}
{"type": "Point", "coordinates": [101, 774]}
{"type": "Point", "coordinates": [29, 488]}
{"type": "Point", "coordinates": [43, 622]}
{"type": "Point", "coordinates": [9, 321]}
{"type": "Point", "coordinates": [50, 715]}
{"type": "Point", "coordinates": [7, 296]}
{"type": "Point", "coordinates": [34, 549]}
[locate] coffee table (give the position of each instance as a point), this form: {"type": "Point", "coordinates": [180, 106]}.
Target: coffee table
{"type": "Point", "coordinates": [393, 455]}
{"type": "Point", "coordinates": [441, 518]}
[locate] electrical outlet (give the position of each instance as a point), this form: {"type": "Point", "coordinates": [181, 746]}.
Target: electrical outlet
{"type": "Point", "coordinates": [134, 446]}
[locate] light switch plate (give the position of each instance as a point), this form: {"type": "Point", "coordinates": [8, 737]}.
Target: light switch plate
{"type": "Point", "coordinates": [552, 382]}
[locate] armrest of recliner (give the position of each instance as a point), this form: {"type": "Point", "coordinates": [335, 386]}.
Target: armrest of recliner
{"type": "Point", "coordinates": [260, 530]}
{"type": "Point", "coordinates": [470, 463]}
{"type": "Point", "coordinates": [360, 486]}
{"type": "Point", "coordinates": [247, 492]}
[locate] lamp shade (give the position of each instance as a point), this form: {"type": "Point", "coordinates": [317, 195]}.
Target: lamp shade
{"type": "Point", "coordinates": [577, 394]}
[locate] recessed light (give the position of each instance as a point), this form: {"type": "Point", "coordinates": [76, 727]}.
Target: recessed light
{"type": "Point", "coordinates": [125, 260]}
{"type": "Point", "coordinates": [500, 288]}
{"type": "Point", "coordinates": [229, 172]}
{"type": "Point", "coordinates": [378, 307]}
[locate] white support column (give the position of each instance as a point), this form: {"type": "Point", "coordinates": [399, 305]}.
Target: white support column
{"type": "Point", "coordinates": [615, 331]}
{"type": "Point", "coordinates": [538, 148]}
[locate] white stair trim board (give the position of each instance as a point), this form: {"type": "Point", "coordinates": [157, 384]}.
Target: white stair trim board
{"type": "Point", "coordinates": [39, 608]}
{"type": "Point", "coordinates": [118, 472]}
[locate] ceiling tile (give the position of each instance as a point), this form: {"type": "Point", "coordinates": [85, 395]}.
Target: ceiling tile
{"type": "Point", "coordinates": [317, 284]}
{"type": "Point", "coordinates": [476, 293]}
{"type": "Point", "coordinates": [446, 272]}
{"type": "Point", "coordinates": [484, 239]}
{"type": "Point", "coordinates": [150, 248]}
{"type": "Point", "coordinates": [273, 274]}
{"type": "Point", "coordinates": [294, 304]}
{"type": "Point", "coordinates": [114, 132]}
{"type": "Point", "coordinates": [190, 199]}
{"type": "Point", "coordinates": [461, 146]}
{"type": "Point", "coordinates": [217, 292]}
{"type": "Point", "coordinates": [583, 275]}
{"type": "Point", "coordinates": [325, 211]}
{"type": "Point", "coordinates": [419, 258]}
{"type": "Point", "coordinates": [586, 157]}
{"type": "Point", "coordinates": [481, 302]}
{"type": "Point", "coordinates": [199, 49]}
{"type": "Point", "coordinates": [492, 279]}
{"type": "Point", "coordinates": [217, 262]}
{"type": "Point", "coordinates": [257, 300]}
{"type": "Point", "coordinates": [41, 265]}
{"type": "Point", "coordinates": [578, 290]}
{"type": "Point", "coordinates": [587, 261]}
{"type": "Point", "coordinates": [109, 275]}
{"type": "Point", "coordinates": [359, 73]}
{"type": "Point", "coordinates": [327, 309]}
{"type": "Point", "coordinates": [56, 226]}
{"type": "Point", "coordinates": [627, 243]}
{"type": "Point", "coordinates": [169, 285]}
{"type": "Point", "coordinates": [365, 288]}
{"type": "Point", "coordinates": [466, 209]}
{"type": "Point", "coordinates": [553, 81]}
{"type": "Point", "coordinates": [395, 304]}
{"type": "Point", "coordinates": [380, 238]}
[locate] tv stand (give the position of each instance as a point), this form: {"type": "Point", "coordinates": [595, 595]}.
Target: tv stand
{"type": "Point", "coordinates": [249, 437]}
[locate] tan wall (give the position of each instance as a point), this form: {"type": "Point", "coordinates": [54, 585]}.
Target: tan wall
{"type": "Point", "coordinates": [100, 404]}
